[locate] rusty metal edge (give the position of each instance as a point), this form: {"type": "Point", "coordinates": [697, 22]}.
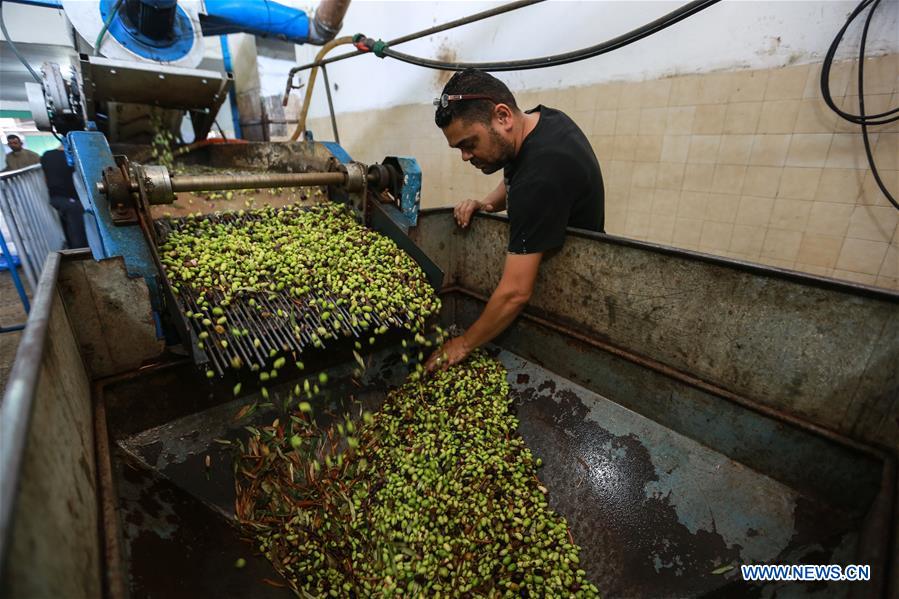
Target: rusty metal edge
{"type": "Point", "coordinates": [750, 267]}
{"type": "Point", "coordinates": [114, 580]}
{"type": "Point", "coordinates": [875, 548]}
{"type": "Point", "coordinates": [689, 379]}
{"type": "Point", "coordinates": [18, 399]}
{"type": "Point", "coordinates": [114, 586]}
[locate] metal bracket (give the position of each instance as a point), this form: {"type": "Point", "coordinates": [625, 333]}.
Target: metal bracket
{"type": "Point", "coordinates": [118, 189]}
{"type": "Point", "coordinates": [405, 186]}
{"type": "Point", "coordinates": [127, 186]}
{"type": "Point", "coordinates": [355, 187]}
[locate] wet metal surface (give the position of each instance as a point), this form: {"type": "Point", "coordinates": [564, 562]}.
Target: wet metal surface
{"type": "Point", "coordinates": [656, 505]}
{"type": "Point", "coordinates": [804, 460]}
{"type": "Point", "coordinates": [656, 513]}
{"type": "Point", "coordinates": [178, 449]}
{"type": "Point", "coordinates": [179, 532]}
{"type": "Point", "coordinates": [177, 547]}
{"type": "Point", "coordinates": [436, 234]}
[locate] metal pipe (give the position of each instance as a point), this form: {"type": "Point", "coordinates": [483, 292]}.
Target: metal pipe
{"type": "Point", "coordinates": [219, 182]}
{"type": "Point", "coordinates": [257, 17]}
{"type": "Point", "coordinates": [19, 398]}
{"type": "Point", "coordinates": [310, 85]}
{"type": "Point", "coordinates": [327, 21]}
{"type": "Point", "coordinates": [114, 572]}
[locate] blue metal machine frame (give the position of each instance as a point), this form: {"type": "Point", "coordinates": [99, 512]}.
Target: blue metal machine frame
{"type": "Point", "coordinates": [90, 154]}
{"type": "Point", "coordinates": [410, 193]}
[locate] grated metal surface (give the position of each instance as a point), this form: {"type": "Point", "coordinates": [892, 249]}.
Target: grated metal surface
{"type": "Point", "coordinates": [281, 322]}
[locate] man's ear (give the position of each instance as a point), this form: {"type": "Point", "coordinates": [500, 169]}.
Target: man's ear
{"type": "Point", "coordinates": [503, 114]}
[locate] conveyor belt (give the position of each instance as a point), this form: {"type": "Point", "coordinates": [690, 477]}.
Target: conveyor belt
{"type": "Point", "coordinates": [278, 324]}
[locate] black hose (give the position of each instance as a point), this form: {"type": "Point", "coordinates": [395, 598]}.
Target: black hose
{"type": "Point", "coordinates": [106, 23]}
{"type": "Point", "coordinates": [15, 50]}
{"type": "Point", "coordinates": [630, 37]}
{"type": "Point", "coordinates": [859, 119]}
{"type": "Point", "coordinates": [873, 119]}
{"type": "Point", "coordinates": [420, 34]}
{"type": "Point", "coordinates": [861, 108]}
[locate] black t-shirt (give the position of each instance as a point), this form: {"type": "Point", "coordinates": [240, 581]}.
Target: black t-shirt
{"type": "Point", "coordinates": [58, 174]}
{"type": "Point", "coordinates": [553, 183]}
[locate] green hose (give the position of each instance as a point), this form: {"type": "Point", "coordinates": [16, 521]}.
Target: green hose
{"type": "Point", "coordinates": [106, 24]}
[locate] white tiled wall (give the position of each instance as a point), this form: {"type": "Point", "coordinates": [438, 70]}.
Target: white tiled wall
{"type": "Point", "coordinates": [747, 164]}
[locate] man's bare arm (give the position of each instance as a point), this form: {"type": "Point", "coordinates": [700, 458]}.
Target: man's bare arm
{"type": "Point", "coordinates": [508, 299]}
{"type": "Point", "coordinates": [506, 303]}
{"type": "Point", "coordinates": [495, 201]}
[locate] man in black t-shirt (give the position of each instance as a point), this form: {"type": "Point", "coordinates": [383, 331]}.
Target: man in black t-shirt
{"type": "Point", "coordinates": [64, 198]}
{"type": "Point", "coordinates": [551, 181]}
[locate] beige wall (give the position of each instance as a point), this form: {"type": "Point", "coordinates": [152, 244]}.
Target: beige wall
{"type": "Point", "coordinates": [746, 164]}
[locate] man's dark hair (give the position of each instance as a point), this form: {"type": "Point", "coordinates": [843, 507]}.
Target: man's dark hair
{"type": "Point", "coordinates": [13, 136]}
{"type": "Point", "coordinates": [473, 81]}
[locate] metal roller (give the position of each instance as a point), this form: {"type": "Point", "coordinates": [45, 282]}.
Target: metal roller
{"type": "Point", "coordinates": [224, 182]}
{"type": "Point", "coordinates": [162, 185]}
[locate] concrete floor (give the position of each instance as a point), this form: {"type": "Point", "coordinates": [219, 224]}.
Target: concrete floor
{"type": "Point", "coordinates": [11, 313]}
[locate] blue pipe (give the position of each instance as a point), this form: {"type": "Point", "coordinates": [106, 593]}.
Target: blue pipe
{"type": "Point", "coordinates": [232, 95]}
{"type": "Point", "coordinates": [259, 17]}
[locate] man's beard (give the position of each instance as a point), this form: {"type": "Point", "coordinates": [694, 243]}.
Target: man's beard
{"type": "Point", "coordinates": [506, 151]}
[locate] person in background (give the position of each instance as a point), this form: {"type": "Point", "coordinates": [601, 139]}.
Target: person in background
{"type": "Point", "coordinates": [63, 197]}
{"type": "Point", "coordinates": [19, 157]}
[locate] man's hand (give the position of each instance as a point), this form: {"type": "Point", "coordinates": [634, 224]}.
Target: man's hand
{"type": "Point", "coordinates": [464, 211]}
{"type": "Point", "coordinates": [452, 352]}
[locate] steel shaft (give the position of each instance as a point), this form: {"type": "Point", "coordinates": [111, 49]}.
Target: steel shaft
{"type": "Point", "coordinates": [223, 182]}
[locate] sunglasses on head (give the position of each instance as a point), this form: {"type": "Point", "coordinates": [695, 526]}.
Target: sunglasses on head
{"type": "Point", "coordinates": [445, 99]}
